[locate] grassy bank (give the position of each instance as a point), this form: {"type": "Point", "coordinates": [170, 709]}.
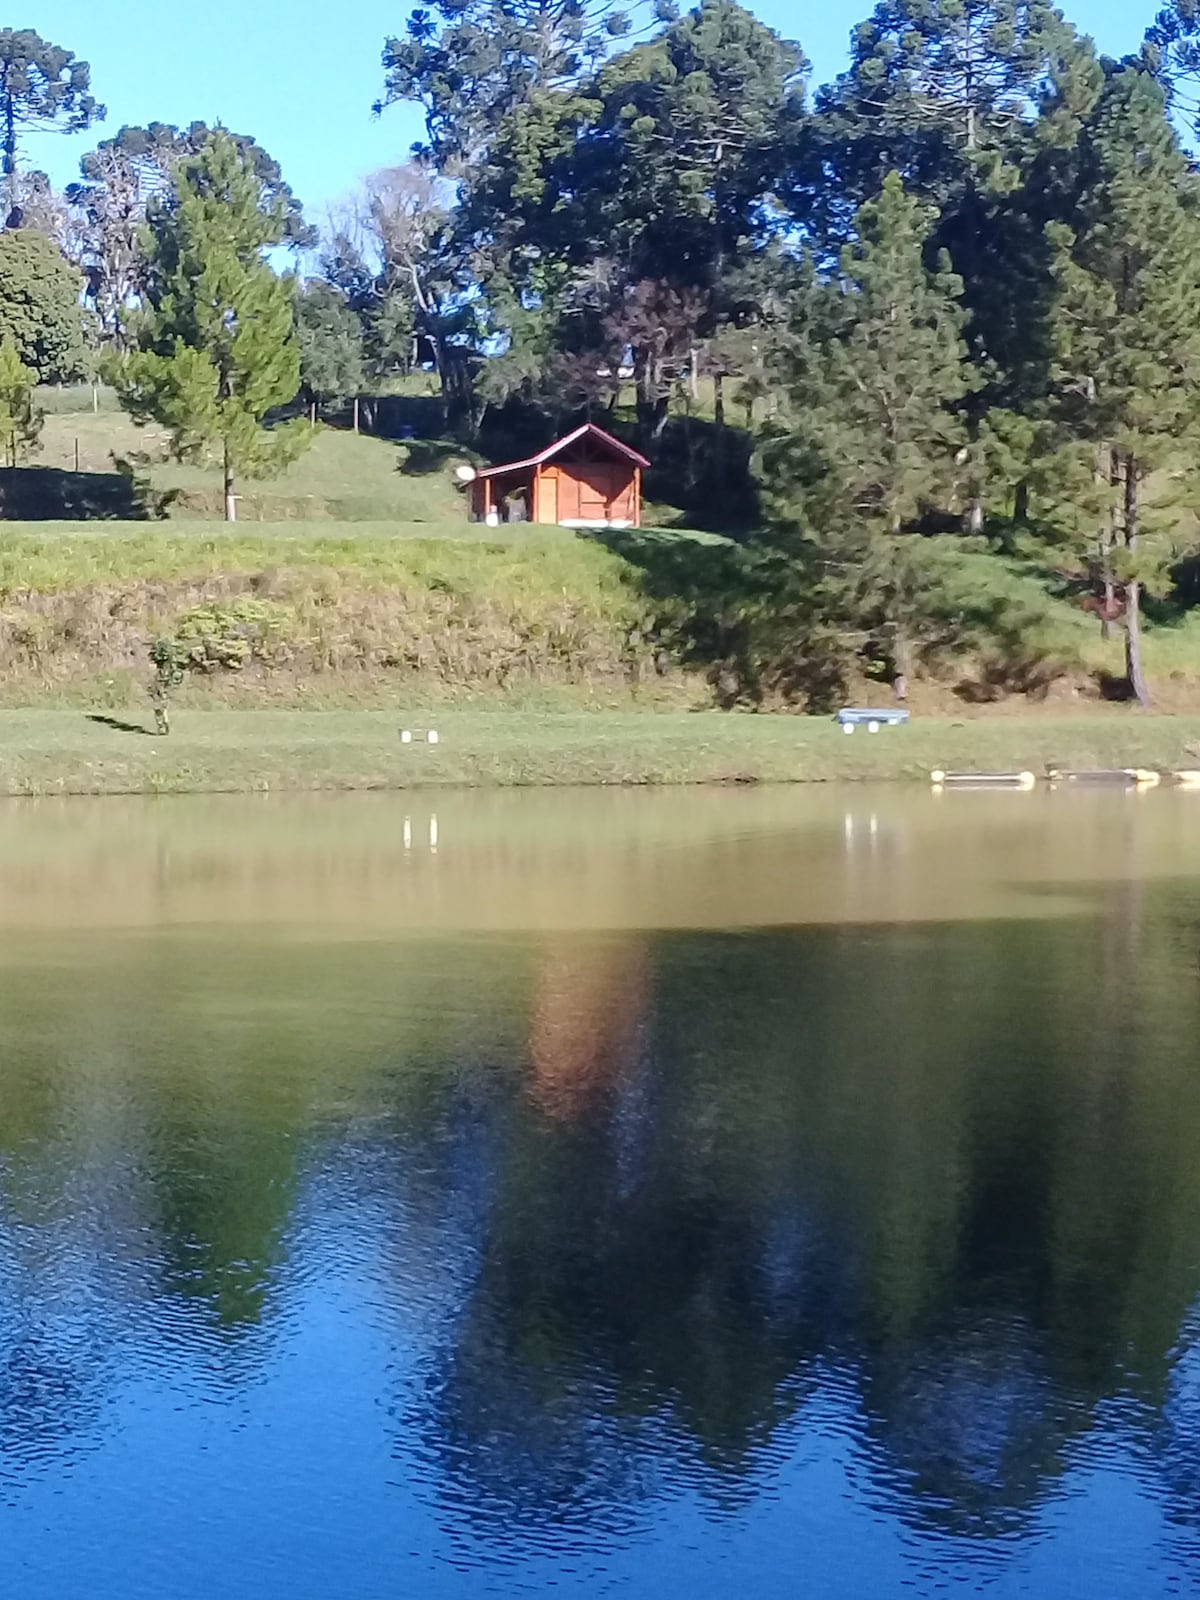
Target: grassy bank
{"type": "Point", "coordinates": [62, 752]}
{"type": "Point", "coordinates": [325, 615]}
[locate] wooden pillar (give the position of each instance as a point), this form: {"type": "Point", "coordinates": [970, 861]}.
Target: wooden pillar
{"type": "Point", "coordinates": [487, 498]}
{"type": "Point", "coordinates": [535, 496]}
{"type": "Point", "coordinates": [637, 497]}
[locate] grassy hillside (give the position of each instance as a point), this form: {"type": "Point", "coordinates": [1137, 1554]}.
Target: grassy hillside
{"type": "Point", "coordinates": [355, 579]}
{"type": "Point", "coordinates": [343, 476]}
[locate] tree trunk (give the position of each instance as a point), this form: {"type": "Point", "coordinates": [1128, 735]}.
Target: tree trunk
{"type": "Point", "coordinates": [1109, 531]}
{"type": "Point", "coordinates": [356, 413]}
{"type": "Point", "coordinates": [689, 435]}
{"type": "Point", "coordinates": [10, 147]}
{"type": "Point", "coordinates": [230, 496]}
{"type": "Point", "coordinates": [1021, 501]}
{"type": "Point", "coordinates": [901, 662]}
{"type": "Point", "coordinates": [719, 399]}
{"type": "Point", "coordinates": [1134, 669]}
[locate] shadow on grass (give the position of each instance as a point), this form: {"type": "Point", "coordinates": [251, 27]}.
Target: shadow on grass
{"type": "Point", "coordinates": [48, 494]}
{"type": "Point", "coordinates": [740, 613]}
{"type": "Point", "coordinates": [423, 456]}
{"type": "Point", "coordinates": [119, 726]}
{"type": "Point", "coordinates": [754, 619]}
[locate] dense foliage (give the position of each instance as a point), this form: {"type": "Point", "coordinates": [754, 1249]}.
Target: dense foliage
{"type": "Point", "coordinates": [39, 307]}
{"type": "Point", "coordinates": [953, 295]}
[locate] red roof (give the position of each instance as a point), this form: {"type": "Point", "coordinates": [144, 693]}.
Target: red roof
{"type": "Point", "coordinates": [588, 430]}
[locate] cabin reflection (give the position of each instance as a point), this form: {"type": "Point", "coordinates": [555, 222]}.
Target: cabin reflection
{"type": "Point", "coordinates": [586, 1015]}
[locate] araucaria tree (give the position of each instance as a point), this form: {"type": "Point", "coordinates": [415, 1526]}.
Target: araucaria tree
{"type": "Point", "coordinates": [1127, 320]}
{"type": "Point", "coordinates": [217, 341]}
{"type": "Point", "coordinates": [41, 86]}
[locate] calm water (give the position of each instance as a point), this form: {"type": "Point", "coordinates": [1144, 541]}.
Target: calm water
{"type": "Point", "coordinates": [741, 1193]}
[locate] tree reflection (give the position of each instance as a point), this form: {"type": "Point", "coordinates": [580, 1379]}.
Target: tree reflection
{"type": "Point", "coordinates": [916, 1157]}
{"type": "Point", "coordinates": [649, 1193]}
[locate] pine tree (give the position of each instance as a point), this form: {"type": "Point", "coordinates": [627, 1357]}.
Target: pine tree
{"type": "Point", "coordinates": [1127, 320]}
{"type": "Point", "coordinates": [217, 343]}
{"type": "Point", "coordinates": [109, 204]}
{"type": "Point", "coordinates": [875, 375]}
{"type": "Point", "coordinates": [20, 419]}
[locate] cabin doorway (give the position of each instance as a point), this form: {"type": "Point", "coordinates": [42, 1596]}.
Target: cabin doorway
{"type": "Point", "coordinates": [547, 509]}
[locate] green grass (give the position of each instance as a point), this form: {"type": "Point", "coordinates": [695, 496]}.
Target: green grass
{"type": "Point", "coordinates": [64, 752]}
{"type": "Point", "coordinates": [342, 476]}
{"type": "Point", "coordinates": [55, 555]}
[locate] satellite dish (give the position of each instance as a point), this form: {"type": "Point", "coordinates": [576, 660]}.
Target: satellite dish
{"type": "Point", "coordinates": [465, 474]}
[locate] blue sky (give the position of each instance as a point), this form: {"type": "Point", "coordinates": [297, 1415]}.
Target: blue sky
{"type": "Point", "coordinates": [301, 77]}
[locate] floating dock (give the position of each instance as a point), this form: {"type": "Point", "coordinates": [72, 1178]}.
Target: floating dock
{"type": "Point", "coordinates": [983, 780]}
{"type": "Point", "coordinates": [1130, 777]}
{"type": "Point", "coordinates": [1080, 777]}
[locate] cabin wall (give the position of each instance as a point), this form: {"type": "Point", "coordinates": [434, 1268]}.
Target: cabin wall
{"type": "Point", "coordinates": [593, 491]}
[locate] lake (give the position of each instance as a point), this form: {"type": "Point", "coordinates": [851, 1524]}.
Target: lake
{"type": "Point", "coordinates": [764, 1192]}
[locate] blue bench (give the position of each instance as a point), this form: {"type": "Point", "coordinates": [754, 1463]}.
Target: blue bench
{"type": "Point", "coordinates": [871, 718]}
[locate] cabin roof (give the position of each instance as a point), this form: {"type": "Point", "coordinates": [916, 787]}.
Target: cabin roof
{"type": "Point", "coordinates": [586, 431]}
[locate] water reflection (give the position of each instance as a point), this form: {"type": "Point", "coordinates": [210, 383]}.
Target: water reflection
{"type": "Point", "coordinates": [617, 1256]}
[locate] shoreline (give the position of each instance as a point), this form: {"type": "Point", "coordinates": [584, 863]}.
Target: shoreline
{"type": "Point", "coordinates": [96, 753]}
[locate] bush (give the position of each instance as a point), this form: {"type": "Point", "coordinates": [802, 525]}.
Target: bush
{"type": "Point", "coordinates": [225, 638]}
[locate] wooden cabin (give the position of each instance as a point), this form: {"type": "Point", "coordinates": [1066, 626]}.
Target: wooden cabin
{"type": "Point", "coordinates": [586, 480]}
